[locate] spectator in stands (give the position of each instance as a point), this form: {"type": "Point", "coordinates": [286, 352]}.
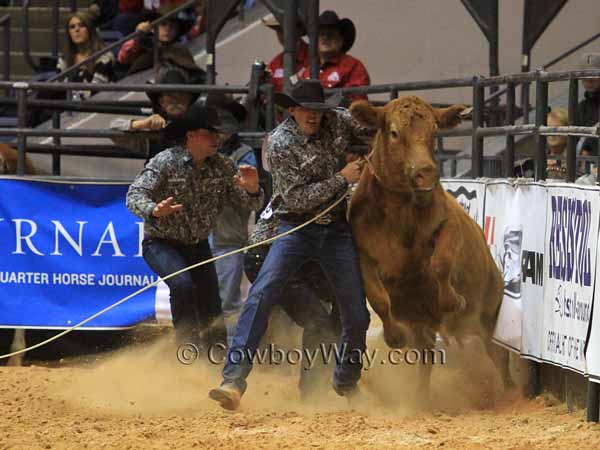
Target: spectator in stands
{"type": "Point", "coordinates": [103, 13]}
{"type": "Point", "coordinates": [231, 229]}
{"type": "Point", "coordinates": [129, 15]}
{"type": "Point", "coordinates": [180, 194]}
{"type": "Point", "coordinates": [138, 53]}
{"type": "Point", "coordinates": [82, 41]}
{"type": "Point", "coordinates": [167, 106]}
{"type": "Point", "coordinates": [275, 67]}
{"type": "Point", "coordinates": [338, 69]}
{"type": "Point", "coordinates": [587, 112]}
{"type": "Point", "coordinates": [200, 22]}
{"type": "Point", "coordinates": [557, 145]}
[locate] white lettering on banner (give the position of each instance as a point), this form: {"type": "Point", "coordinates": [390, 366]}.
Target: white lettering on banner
{"type": "Point", "coordinates": [77, 279]}
{"type": "Point", "coordinates": [27, 239]}
{"type": "Point", "coordinates": [77, 246]}
{"type": "Point", "coordinates": [110, 230]}
{"type": "Point", "coordinates": [22, 235]}
{"type": "Point", "coordinates": [23, 278]}
{"type": "Point", "coordinates": [569, 234]}
{"type": "Point", "coordinates": [140, 226]}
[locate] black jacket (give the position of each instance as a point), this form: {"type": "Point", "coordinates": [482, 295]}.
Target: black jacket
{"type": "Point", "coordinates": [588, 116]}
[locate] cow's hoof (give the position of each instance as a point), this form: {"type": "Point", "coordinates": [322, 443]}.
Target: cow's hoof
{"type": "Point", "coordinates": [395, 340]}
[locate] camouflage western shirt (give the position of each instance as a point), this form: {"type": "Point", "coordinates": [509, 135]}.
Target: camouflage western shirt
{"type": "Point", "coordinates": [306, 169]}
{"type": "Point", "coordinates": [202, 191]}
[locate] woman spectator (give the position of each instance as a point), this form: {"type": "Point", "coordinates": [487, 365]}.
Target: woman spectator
{"type": "Point", "coordinates": [557, 145]}
{"type": "Point", "coordinates": [81, 42]}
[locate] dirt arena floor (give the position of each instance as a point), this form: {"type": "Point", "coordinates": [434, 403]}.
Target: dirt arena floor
{"type": "Point", "coordinates": [143, 398]}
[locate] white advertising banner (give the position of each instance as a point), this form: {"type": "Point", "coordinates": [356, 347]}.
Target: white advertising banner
{"type": "Point", "coordinates": [503, 231]}
{"type": "Point", "coordinates": [530, 200]}
{"type": "Point", "coordinates": [592, 353]}
{"type": "Point", "coordinates": [572, 213]}
{"type": "Point", "coordinates": [470, 194]}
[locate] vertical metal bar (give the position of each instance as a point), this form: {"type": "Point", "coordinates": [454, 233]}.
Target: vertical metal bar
{"type": "Point", "coordinates": [253, 99]}
{"type": "Point", "coordinates": [453, 168]}
{"type": "Point", "coordinates": [509, 160]}
{"type": "Point", "coordinates": [493, 57]}
{"type": "Point", "coordinates": [73, 5]}
{"type": "Point", "coordinates": [269, 107]}
{"type": "Point", "coordinates": [21, 91]}
{"type": "Point", "coordinates": [477, 142]}
{"type": "Point", "coordinates": [55, 13]}
{"type": "Point", "coordinates": [525, 102]}
{"type": "Point", "coordinates": [393, 94]}
{"type": "Point", "coordinates": [572, 140]}
{"type": "Point", "coordinates": [211, 38]}
{"type": "Point", "coordinates": [313, 38]}
{"type": "Point", "coordinates": [6, 23]}
{"type": "Point", "coordinates": [290, 40]}
{"type": "Point", "coordinates": [541, 112]}
{"type": "Point", "coordinates": [57, 142]}
{"type": "Point", "coordinates": [593, 402]}
{"type": "Point", "coordinates": [532, 388]}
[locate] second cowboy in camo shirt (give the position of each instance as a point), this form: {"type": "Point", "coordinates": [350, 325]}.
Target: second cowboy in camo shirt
{"type": "Point", "coordinates": [307, 156]}
{"type": "Point", "coordinates": [179, 194]}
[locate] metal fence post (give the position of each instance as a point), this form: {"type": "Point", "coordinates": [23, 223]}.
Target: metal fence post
{"type": "Point", "coordinates": [541, 113]}
{"type": "Point", "coordinates": [572, 140]}
{"type": "Point", "coordinates": [21, 92]}
{"type": "Point", "coordinates": [57, 142]}
{"type": "Point", "coordinates": [5, 21]}
{"type": "Point", "coordinates": [593, 402]}
{"type": "Point", "coordinates": [509, 160]}
{"type": "Point", "coordinates": [253, 99]}
{"type": "Point", "coordinates": [269, 90]}
{"type": "Point", "coordinates": [477, 142]}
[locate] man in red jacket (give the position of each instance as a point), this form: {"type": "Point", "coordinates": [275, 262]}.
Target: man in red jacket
{"type": "Point", "coordinates": [275, 67]}
{"type": "Point", "coordinates": [338, 69]}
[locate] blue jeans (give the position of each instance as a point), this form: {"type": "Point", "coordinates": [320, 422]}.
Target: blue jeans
{"type": "Point", "coordinates": [333, 248]}
{"type": "Point", "coordinates": [194, 295]}
{"type": "Point", "coordinates": [229, 272]}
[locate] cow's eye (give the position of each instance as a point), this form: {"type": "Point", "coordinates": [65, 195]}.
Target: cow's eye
{"type": "Point", "coordinates": [394, 134]}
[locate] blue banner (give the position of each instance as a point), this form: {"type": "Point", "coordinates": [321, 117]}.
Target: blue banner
{"type": "Point", "coordinates": [68, 250]}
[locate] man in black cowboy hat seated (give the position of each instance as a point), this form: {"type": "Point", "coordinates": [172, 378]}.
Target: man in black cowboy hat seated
{"type": "Point", "coordinates": [138, 53]}
{"type": "Point", "coordinates": [166, 106]}
{"type": "Point", "coordinates": [338, 69]}
{"type": "Point", "coordinates": [179, 194]}
{"type": "Point", "coordinates": [306, 154]}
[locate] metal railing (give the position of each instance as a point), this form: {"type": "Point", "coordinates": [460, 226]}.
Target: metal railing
{"type": "Point", "coordinates": [477, 132]}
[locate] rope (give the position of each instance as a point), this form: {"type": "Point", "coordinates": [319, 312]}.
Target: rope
{"type": "Point", "coordinates": [185, 269]}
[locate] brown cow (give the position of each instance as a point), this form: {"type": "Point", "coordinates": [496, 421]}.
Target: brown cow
{"type": "Point", "coordinates": [425, 263]}
{"type": "Point", "coordinates": [8, 161]}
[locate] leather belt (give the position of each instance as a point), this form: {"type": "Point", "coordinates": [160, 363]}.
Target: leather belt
{"type": "Point", "coordinates": [325, 219]}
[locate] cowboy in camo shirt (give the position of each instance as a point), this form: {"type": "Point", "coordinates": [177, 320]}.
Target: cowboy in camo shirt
{"type": "Point", "coordinates": [307, 157]}
{"type": "Point", "coordinates": [179, 194]}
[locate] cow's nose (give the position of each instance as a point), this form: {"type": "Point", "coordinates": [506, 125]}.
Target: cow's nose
{"type": "Point", "coordinates": [424, 177]}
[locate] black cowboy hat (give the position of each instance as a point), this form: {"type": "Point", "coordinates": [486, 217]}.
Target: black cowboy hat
{"type": "Point", "coordinates": [305, 93]}
{"type": "Point", "coordinates": [183, 20]}
{"type": "Point", "coordinates": [170, 75]}
{"type": "Point", "coordinates": [330, 19]}
{"type": "Point", "coordinates": [227, 102]}
{"type": "Point", "coordinates": [198, 117]}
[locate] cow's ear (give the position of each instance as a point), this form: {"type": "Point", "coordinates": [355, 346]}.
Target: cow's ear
{"type": "Point", "coordinates": [448, 117]}
{"type": "Point", "coordinates": [366, 114]}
